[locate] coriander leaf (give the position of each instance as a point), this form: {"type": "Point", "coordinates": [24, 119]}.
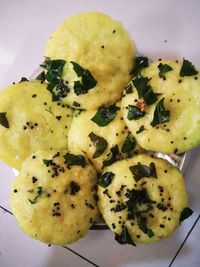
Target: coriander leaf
{"type": "Point", "coordinates": [112, 157]}
{"type": "Point", "coordinates": [105, 179]}
{"type": "Point", "coordinates": [139, 171]}
{"type": "Point", "coordinates": [186, 212]}
{"type": "Point", "coordinates": [124, 237]}
{"type": "Point", "coordinates": [100, 144]}
{"type": "Point", "coordinates": [71, 159]}
{"type": "Point", "coordinates": [77, 68]}
{"type": "Point", "coordinates": [39, 194]}
{"type": "Point", "coordinates": [149, 96]}
{"type": "Point", "coordinates": [150, 233]}
{"type": "Point", "coordinates": [142, 223]}
{"type": "Point", "coordinates": [161, 115]}
{"type": "Point", "coordinates": [131, 207]}
{"type": "Point", "coordinates": [140, 82]}
{"type": "Point", "coordinates": [87, 79]}
{"type": "Point", "coordinates": [141, 129]}
{"type": "Point", "coordinates": [54, 69]}
{"type": "Point", "coordinates": [46, 64]}
{"type": "Point", "coordinates": [140, 63]}
{"type": "Point", "coordinates": [138, 197]}
{"type": "Point", "coordinates": [134, 113]}
{"type": "Point", "coordinates": [79, 88]}
{"type": "Point", "coordinates": [50, 88]}
{"type": "Point", "coordinates": [105, 115]}
{"type": "Point", "coordinates": [47, 162]}
{"type": "Point", "coordinates": [129, 144]}
{"type": "Point", "coordinates": [56, 85]}
{"type": "Point", "coordinates": [144, 90]}
{"type": "Point", "coordinates": [187, 69]}
{"type": "Point", "coordinates": [3, 120]}
{"type": "Point", "coordinates": [164, 68]}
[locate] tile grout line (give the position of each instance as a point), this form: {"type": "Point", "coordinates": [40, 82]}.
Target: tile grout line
{"type": "Point", "coordinates": [6, 210]}
{"type": "Point", "coordinates": [71, 250]}
{"type": "Point", "coordinates": [184, 241]}
{"type": "Point", "coordinates": [92, 263]}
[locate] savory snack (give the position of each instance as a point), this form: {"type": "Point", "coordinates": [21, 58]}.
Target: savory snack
{"type": "Point", "coordinates": [30, 121]}
{"type": "Point", "coordinates": [162, 106]}
{"type": "Point", "coordinates": [142, 199]}
{"type": "Point", "coordinates": [99, 56]}
{"type": "Point", "coordinates": [122, 109]}
{"type": "Point", "coordinates": [102, 135]}
{"type": "Point", "coordinates": [54, 197]}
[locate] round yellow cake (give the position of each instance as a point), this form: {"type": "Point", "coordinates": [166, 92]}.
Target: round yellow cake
{"type": "Point", "coordinates": [100, 45]}
{"type": "Point", "coordinates": [180, 97]}
{"type": "Point", "coordinates": [84, 130]}
{"type": "Point", "coordinates": [54, 197]}
{"type": "Point", "coordinates": [144, 195]}
{"type": "Point", "coordinates": [34, 122]}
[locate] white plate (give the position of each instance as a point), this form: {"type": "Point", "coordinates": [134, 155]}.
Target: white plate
{"type": "Point", "coordinates": [167, 29]}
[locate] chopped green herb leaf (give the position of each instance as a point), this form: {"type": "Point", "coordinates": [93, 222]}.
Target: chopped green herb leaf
{"type": "Point", "coordinates": [140, 82]}
{"type": "Point", "coordinates": [77, 68]}
{"type": "Point", "coordinates": [124, 237]}
{"type": "Point", "coordinates": [100, 144]}
{"type": "Point", "coordinates": [141, 129]}
{"type": "Point", "coordinates": [138, 196]}
{"type": "Point", "coordinates": [142, 223]}
{"type": "Point", "coordinates": [150, 233]}
{"type": "Point", "coordinates": [138, 203]}
{"type": "Point", "coordinates": [105, 179]}
{"type": "Point", "coordinates": [50, 88]}
{"type": "Point", "coordinates": [164, 68]}
{"type": "Point", "coordinates": [56, 85]}
{"type": "Point", "coordinates": [3, 120]}
{"type": "Point", "coordinates": [187, 212]}
{"type": "Point", "coordinates": [149, 96]}
{"type": "Point", "coordinates": [112, 157]}
{"type": "Point", "coordinates": [39, 194]}
{"type": "Point", "coordinates": [79, 88]}
{"type": "Point", "coordinates": [140, 63]}
{"type": "Point", "coordinates": [161, 115]}
{"type": "Point", "coordinates": [129, 144]}
{"type": "Point", "coordinates": [187, 69]}
{"type": "Point", "coordinates": [72, 159]}
{"type": "Point", "coordinates": [54, 69]}
{"type": "Point", "coordinates": [134, 113]}
{"type": "Point", "coordinates": [87, 80]}
{"type": "Point", "coordinates": [144, 90]}
{"type": "Point", "coordinates": [105, 115]}
{"type": "Point", "coordinates": [139, 171]}
{"type": "Point", "coordinates": [47, 162]}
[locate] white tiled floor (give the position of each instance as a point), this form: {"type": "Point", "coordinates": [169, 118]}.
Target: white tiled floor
{"type": "Point", "coordinates": [24, 29]}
